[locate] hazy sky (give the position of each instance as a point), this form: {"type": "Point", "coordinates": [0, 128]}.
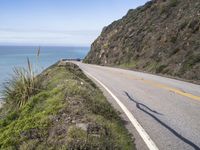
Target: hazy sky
{"type": "Point", "coordinates": [58, 22]}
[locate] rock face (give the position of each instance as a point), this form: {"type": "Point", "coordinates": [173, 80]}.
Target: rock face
{"type": "Point", "coordinates": [163, 36]}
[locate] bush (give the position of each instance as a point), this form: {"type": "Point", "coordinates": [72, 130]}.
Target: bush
{"type": "Point", "coordinates": [173, 3]}
{"type": "Point", "coordinates": [22, 85]}
{"type": "Point", "coordinates": [164, 7]}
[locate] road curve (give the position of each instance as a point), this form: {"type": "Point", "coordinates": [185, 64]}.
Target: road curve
{"type": "Point", "coordinates": [167, 109]}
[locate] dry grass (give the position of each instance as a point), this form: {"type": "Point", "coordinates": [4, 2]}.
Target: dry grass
{"type": "Point", "coordinates": [21, 86]}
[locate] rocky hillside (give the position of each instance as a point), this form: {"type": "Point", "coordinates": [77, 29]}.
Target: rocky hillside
{"type": "Point", "coordinates": [161, 37]}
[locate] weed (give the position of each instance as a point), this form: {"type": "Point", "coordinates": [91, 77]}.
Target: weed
{"type": "Point", "coordinates": [22, 85]}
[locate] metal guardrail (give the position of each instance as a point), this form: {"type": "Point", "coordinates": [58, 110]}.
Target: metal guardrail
{"type": "Point", "coordinates": [71, 59]}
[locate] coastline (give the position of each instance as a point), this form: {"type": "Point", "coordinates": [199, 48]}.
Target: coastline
{"type": "Point", "coordinates": [1, 103]}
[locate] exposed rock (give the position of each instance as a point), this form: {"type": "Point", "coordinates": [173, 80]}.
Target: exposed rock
{"type": "Point", "coordinates": [163, 36]}
{"type": "Point", "coordinates": [83, 126]}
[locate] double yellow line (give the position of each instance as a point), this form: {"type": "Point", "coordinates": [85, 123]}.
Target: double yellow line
{"type": "Point", "coordinates": [172, 89]}
{"type": "Point", "coordinates": [155, 84]}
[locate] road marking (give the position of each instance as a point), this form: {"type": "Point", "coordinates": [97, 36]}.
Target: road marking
{"type": "Point", "coordinates": [172, 89]}
{"type": "Point", "coordinates": [159, 85]}
{"type": "Point", "coordinates": [149, 142]}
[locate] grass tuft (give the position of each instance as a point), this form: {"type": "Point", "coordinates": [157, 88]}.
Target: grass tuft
{"type": "Point", "coordinates": [21, 86]}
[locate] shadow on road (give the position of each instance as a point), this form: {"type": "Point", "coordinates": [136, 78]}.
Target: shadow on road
{"type": "Point", "coordinates": [142, 107]}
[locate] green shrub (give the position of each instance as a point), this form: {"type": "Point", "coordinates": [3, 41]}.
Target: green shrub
{"type": "Point", "coordinates": [160, 68]}
{"type": "Point", "coordinates": [21, 86]}
{"type": "Point", "coordinates": [164, 7]}
{"type": "Point", "coordinates": [173, 3]}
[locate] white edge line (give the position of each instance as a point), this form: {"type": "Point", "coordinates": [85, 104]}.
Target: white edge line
{"type": "Point", "coordinates": [149, 142]}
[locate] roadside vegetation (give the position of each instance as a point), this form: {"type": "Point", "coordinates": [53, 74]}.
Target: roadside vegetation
{"type": "Point", "coordinates": [64, 111]}
{"type": "Point", "coordinates": [22, 85]}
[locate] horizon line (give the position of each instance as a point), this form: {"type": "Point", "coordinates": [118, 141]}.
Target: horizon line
{"type": "Point", "coordinates": [46, 45]}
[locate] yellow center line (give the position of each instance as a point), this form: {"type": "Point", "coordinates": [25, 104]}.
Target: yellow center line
{"type": "Point", "coordinates": [172, 89]}
{"type": "Point", "coordinates": [159, 85]}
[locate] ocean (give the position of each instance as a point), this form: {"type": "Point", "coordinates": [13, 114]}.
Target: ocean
{"type": "Point", "coordinates": [16, 56]}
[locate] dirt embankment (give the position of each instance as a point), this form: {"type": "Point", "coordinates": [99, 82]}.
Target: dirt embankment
{"type": "Point", "coordinates": [69, 112]}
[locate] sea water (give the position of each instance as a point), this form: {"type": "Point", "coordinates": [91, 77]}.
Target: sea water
{"type": "Point", "coordinates": [16, 56]}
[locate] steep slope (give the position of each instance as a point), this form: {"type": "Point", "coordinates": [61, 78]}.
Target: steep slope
{"type": "Point", "coordinates": [69, 112]}
{"type": "Point", "coordinates": [163, 36]}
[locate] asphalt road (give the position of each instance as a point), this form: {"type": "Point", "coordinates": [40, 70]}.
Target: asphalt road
{"type": "Point", "coordinates": [167, 109]}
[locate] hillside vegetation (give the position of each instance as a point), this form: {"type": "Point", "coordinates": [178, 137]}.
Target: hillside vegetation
{"type": "Point", "coordinates": [67, 112]}
{"type": "Point", "coordinates": [161, 37]}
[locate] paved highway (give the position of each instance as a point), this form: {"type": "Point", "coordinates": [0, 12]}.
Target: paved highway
{"type": "Point", "coordinates": [166, 111]}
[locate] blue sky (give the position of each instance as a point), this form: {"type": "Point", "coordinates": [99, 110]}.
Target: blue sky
{"type": "Point", "coordinates": [58, 22]}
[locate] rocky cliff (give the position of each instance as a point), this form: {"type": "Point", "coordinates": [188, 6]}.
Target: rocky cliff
{"type": "Point", "coordinates": [163, 36]}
